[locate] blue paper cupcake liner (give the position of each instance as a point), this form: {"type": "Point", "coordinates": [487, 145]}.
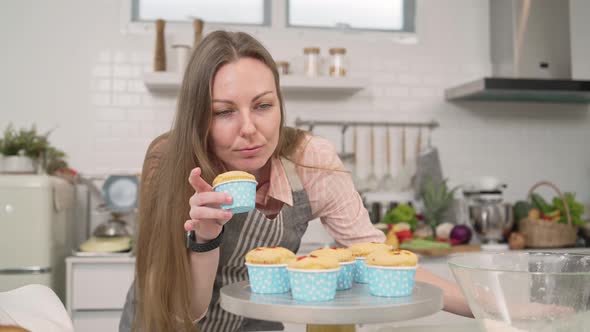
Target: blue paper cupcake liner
{"type": "Point", "coordinates": [243, 193]}
{"type": "Point", "coordinates": [346, 275]}
{"type": "Point", "coordinates": [268, 279]}
{"type": "Point", "coordinates": [360, 271]}
{"type": "Point", "coordinates": [313, 285]}
{"type": "Point", "coordinates": [391, 281]}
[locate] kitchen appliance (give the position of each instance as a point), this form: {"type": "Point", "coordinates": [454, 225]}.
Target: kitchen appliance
{"type": "Point", "coordinates": [519, 291]}
{"type": "Point", "coordinates": [119, 194]}
{"type": "Point", "coordinates": [530, 53]}
{"type": "Point", "coordinates": [114, 227]}
{"type": "Point", "coordinates": [36, 230]}
{"type": "Point", "coordinates": [491, 218]}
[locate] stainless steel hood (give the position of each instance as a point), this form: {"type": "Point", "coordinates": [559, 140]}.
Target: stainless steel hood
{"type": "Point", "coordinates": [530, 52]}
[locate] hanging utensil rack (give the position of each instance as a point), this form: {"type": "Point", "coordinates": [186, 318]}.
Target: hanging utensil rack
{"type": "Point", "coordinates": [345, 124]}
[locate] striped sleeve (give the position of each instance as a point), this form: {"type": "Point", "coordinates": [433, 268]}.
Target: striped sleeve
{"type": "Point", "coordinates": [332, 194]}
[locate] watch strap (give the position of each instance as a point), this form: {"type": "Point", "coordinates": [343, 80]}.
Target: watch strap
{"type": "Point", "coordinates": [191, 242]}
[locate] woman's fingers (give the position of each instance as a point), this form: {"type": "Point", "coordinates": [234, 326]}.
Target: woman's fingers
{"type": "Point", "coordinates": [204, 212]}
{"type": "Point", "coordinates": [209, 198]}
{"type": "Point", "coordinates": [207, 217]}
{"type": "Point", "coordinates": [197, 182]}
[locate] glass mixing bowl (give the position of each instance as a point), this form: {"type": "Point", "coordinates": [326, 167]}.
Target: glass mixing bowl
{"type": "Point", "coordinates": [518, 291]}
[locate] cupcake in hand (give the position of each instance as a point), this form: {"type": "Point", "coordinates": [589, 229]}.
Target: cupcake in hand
{"type": "Point", "coordinates": [267, 269]}
{"type": "Point", "coordinates": [360, 251]}
{"type": "Point", "coordinates": [347, 263]}
{"type": "Point", "coordinates": [242, 188]}
{"type": "Point", "coordinates": [391, 272]}
{"type": "Point", "coordinates": [314, 278]}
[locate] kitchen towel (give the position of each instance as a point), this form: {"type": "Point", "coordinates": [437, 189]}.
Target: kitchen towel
{"type": "Point", "coordinates": [35, 308]}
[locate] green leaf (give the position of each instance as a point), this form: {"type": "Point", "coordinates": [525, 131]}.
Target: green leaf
{"type": "Point", "coordinates": [29, 143]}
{"type": "Point", "coordinates": [437, 198]}
{"type": "Point", "coordinates": [541, 204]}
{"type": "Point", "coordinates": [576, 209]}
{"type": "Point", "coordinates": [401, 213]}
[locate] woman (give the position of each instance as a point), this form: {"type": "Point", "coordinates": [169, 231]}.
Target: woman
{"type": "Point", "coordinates": [230, 116]}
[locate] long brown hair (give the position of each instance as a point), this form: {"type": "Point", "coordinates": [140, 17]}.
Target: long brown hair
{"type": "Point", "coordinates": [163, 277]}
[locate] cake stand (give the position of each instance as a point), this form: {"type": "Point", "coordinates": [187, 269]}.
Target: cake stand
{"type": "Point", "coordinates": [349, 307]}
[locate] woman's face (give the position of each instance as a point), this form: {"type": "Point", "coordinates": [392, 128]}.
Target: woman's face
{"type": "Point", "coordinates": [246, 115]}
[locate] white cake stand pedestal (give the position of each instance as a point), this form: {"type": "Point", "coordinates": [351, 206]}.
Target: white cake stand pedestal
{"type": "Point", "coordinates": [349, 307]}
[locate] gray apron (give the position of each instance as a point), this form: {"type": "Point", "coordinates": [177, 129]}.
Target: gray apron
{"type": "Point", "coordinates": [243, 233]}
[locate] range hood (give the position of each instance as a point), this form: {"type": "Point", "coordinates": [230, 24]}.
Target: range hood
{"type": "Point", "coordinates": [531, 56]}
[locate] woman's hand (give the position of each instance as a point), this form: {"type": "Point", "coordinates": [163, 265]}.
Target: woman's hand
{"type": "Point", "coordinates": [206, 216]}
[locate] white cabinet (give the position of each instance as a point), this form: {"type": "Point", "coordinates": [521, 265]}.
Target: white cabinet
{"type": "Point", "coordinates": [95, 291]}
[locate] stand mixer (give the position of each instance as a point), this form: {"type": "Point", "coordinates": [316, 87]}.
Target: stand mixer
{"type": "Point", "coordinates": [491, 218]}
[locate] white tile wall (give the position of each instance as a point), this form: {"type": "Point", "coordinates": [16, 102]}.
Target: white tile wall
{"type": "Point", "coordinates": [98, 95]}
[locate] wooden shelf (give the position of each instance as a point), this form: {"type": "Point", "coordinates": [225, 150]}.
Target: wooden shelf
{"type": "Point", "coordinates": [170, 82]}
{"type": "Point", "coordinates": [294, 83]}
{"type": "Point", "coordinates": [162, 81]}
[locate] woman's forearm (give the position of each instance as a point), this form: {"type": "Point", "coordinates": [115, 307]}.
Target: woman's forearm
{"type": "Point", "coordinates": [203, 271]}
{"type": "Point", "coordinates": [453, 298]}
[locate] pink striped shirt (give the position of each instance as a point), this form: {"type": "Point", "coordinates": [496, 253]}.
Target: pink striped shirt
{"type": "Point", "coordinates": [331, 194]}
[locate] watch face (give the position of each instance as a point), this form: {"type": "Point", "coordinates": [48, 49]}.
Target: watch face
{"type": "Point", "coordinates": [190, 238]}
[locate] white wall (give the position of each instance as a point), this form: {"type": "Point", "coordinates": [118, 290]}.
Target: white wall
{"type": "Point", "coordinates": [68, 63]}
{"type": "Point", "coordinates": [580, 25]}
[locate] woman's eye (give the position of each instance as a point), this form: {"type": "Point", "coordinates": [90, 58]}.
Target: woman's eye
{"type": "Point", "coordinates": [264, 106]}
{"type": "Point", "coordinates": [223, 112]}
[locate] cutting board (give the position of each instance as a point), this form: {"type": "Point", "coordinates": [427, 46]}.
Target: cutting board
{"type": "Point", "coordinates": [448, 251]}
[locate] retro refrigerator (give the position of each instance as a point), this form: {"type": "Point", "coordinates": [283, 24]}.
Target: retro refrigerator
{"type": "Point", "coordinates": [36, 222]}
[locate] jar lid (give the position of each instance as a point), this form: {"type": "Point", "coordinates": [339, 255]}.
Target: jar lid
{"type": "Point", "coordinates": [313, 50]}
{"type": "Point", "coordinates": [337, 50]}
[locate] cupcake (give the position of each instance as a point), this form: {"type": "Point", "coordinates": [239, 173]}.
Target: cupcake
{"type": "Point", "coordinates": [314, 278]}
{"type": "Point", "coordinates": [360, 251]}
{"type": "Point", "coordinates": [391, 272]}
{"type": "Point", "coordinates": [347, 263]}
{"type": "Point", "coordinates": [267, 269]}
{"type": "Point", "coordinates": [241, 186]}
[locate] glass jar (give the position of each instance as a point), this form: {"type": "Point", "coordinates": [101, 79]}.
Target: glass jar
{"type": "Point", "coordinates": [312, 61]}
{"type": "Point", "coordinates": [283, 67]}
{"type": "Point", "coordinates": [337, 62]}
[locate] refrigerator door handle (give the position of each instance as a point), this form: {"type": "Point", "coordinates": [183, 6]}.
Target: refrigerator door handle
{"type": "Point", "coordinates": [26, 270]}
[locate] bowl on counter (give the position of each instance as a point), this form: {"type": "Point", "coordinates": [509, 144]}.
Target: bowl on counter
{"type": "Point", "coordinates": [519, 291]}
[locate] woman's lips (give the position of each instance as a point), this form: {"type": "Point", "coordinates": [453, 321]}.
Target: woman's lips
{"type": "Point", "coordinates": [251, 151]}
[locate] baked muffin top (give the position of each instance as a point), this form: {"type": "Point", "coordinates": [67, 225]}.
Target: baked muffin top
{"type": "Point", "coordinates": [343, 255]}
{"type": "Point", "coordinates": [269, 255]}
{"type": "Point", "coordinates": [313, 262]}
{"type": "Point", "coordinates": [393, 257]}
{"type": "Point", "coordinates": [232, 175]}
{"type": "Point", "coordinates": [363, 249]}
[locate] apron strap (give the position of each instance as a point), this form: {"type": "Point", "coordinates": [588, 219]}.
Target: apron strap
{"type": "Point", "coordinates": [292, 175]}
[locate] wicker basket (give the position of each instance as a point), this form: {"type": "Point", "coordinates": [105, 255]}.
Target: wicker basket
{"type": "Point", "coordinates": [543, 234]}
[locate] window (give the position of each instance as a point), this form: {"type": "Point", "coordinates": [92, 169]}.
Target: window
{"type": "Point", "coordinates": [381, 15]}
{"type": "Point", "coordinates": [252, 12]}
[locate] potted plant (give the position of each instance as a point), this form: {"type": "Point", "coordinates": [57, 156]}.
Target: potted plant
{"type": "Point", "coordinates": [25, 151]}
{"type": "Point", "coordinates": [437, 198]}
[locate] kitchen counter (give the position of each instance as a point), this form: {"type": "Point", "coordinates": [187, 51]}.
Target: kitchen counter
{"type": "Point", "coordinates": [96, 289]}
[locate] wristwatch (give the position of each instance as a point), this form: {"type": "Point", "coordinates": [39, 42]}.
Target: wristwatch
{"type": "Point", "coordinates": [191, 242]}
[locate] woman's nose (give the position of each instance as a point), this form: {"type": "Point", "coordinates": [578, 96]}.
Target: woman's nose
{"type": "Point", "coordinates": [248, 128]}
